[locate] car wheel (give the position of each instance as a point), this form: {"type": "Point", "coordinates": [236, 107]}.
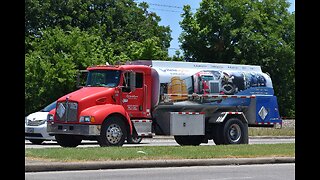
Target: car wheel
{"type": "Point", "coordinates": [36, 141]}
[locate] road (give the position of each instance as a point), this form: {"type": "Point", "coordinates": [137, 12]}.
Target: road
{"type": "Point", "coordinates": [233, 172]}
{"type": "Point", "coordinates": [160, 142]}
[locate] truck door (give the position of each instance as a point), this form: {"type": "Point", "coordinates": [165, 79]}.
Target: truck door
{"type": "Point", "coordinates": [132, 99]}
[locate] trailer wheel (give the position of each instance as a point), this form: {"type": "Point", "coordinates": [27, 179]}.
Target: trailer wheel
{"type": "Point", "coordinates": [188, 140]}
{"type": "Point", "coordinates": [232, 131]}
{"type": "Point", "coordinates": [113, 132]}
{"type": "Point", "coordinates": [68, 140]}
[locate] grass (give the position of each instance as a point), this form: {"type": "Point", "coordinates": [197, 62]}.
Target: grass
{"type": "Point", "coordinates": [259, 131]}
{"type": "Point", "coordinates": [161, 152]}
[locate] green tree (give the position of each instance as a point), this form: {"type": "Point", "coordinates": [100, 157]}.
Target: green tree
{"type": "Point", "coordinates": [118, 21]}
{"type": "Point", "coordinates": [148, 49]}
{"type": "Point", "coordinates": [52, 64]}
{"type": "Point", "coordinates": [259, 32]}
{"type": "Point", "coordinates": [177, 56]}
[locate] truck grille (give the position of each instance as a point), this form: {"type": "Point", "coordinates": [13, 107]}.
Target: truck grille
{"type": "Point", "coordinates": [67, 111]}
{"type": "Point", "coordinates": [214, 87]}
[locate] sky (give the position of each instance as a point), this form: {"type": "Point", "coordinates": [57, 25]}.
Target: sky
{"type": "Point", "coordinates": [169, 12]}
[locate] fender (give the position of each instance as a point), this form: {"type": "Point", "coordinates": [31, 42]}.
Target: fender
{"type": "Point", "coordinates": [53, 111]}
{"type": "Point", "coordinates": [101, 112]}
{"type": "Point", "coordinates": [224, 116]}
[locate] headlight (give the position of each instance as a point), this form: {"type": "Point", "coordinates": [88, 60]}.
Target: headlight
{"type": "Point", "coordinates": [42, 122]}
{"type": "Point", "coordinates": [50, 117]}
{"type": "Point", "coordinates": [86, 119]}
{"type": "Point", "coordinates": [36, 122]}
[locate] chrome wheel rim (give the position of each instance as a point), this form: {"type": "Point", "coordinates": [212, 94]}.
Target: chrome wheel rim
{"type": "Point", "coordinates": [234, 133]}
{"type": "Point", "coordinates": [114, 134]}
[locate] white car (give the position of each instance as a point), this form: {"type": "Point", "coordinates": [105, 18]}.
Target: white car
{"type": "Point", "coordinates": [36, 125]}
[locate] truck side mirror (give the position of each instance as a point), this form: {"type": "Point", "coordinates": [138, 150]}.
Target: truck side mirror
{"type": "Point", "coordinates": [132, 81]}
{"type": "Point", "coordinates": [81, 78]}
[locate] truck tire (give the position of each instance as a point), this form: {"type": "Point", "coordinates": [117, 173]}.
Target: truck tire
{"type": "Point", "coordinates": [134, 140]}
{"type": "Point", "coordinates": [68, 140]}
{"type": "Point", "coordinates": [217, 131]}
{"type": "Point", "coordinates": [113, 132]}
{"type": "Point", "coordinates": [188, 140]}
{"type": "Point", "coordinates": [232, 131]}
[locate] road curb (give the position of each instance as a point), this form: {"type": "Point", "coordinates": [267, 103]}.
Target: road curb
{"type": "Point", "coordinates": [251, 137]}
{"type": "Point", "coordinates": [96, 165]}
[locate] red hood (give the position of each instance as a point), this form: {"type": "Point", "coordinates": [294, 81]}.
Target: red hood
{"type": "Point", "coordinates": [88, 94]}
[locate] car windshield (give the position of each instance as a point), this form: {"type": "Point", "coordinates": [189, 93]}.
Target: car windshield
{"type": "Point", "coordinates": [103, 78]}
{"type": "Point", "coordinates": [49, 107]}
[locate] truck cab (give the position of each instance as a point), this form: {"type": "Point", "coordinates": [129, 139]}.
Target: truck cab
{"type": "Point", "coordinates": [111, 98]}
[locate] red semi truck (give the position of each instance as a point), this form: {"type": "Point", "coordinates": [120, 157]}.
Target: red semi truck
{"type": "Point", "coordinates": [144, 98]}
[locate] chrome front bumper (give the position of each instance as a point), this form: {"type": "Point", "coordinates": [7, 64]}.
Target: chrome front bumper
{"type": "Point", "coordinates": [74, 129]}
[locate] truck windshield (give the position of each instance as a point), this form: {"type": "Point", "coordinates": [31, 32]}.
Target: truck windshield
{"type": "Point", "coordinates": [207, 78]}
{"type": "Point", "coordinates": [103, 78]}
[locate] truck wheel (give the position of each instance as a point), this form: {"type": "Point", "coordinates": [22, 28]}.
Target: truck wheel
{"type": "Point", "coordinates": [134, 140]}
{"type": "Point", "coordinates": [188, 140]}
{"type": "Point", "coordinates": [113, 132]}
{"type": "Point", "coordinates": [36, 141]}
{"type": "Point", "coordinates": [232, 131]}
{"type": "Point", "coordinates": [217, 131]}
{"type": "Point", "coordinates": [68, 140]}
